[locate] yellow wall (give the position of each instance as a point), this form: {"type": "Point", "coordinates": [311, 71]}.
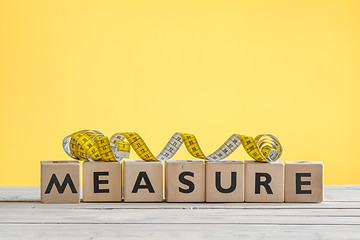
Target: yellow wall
{"type": "Point", "coordinates": [212, 68]}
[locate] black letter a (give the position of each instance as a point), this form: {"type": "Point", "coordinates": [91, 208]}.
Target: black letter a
{"type": "Point", "coordinates": [60, 188]}
{"type": "Point", "coordinates": [137, 186]}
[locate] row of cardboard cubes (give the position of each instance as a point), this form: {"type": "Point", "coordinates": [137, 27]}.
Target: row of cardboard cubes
{"type": "Point", "coordinates": [185, 181]}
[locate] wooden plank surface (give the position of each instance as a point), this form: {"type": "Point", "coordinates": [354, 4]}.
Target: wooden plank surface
{"type": "Point", "coordinates": [23, 216]}
{"type": "Point", "coordinates": [171, 231]}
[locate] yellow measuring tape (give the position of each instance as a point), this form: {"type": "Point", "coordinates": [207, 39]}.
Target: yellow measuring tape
{"type": "Point", "coordinates": [92, 145]}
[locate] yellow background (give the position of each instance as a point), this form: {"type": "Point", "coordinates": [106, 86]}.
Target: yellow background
{"type": "Point", "coordinates": [212, 68]}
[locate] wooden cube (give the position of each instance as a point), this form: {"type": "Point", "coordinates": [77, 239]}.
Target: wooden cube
{"type": "Point", "coordinates": [143, 181]}
{"type": "Point", "coordinates": [102, 182]}
{"type": "Point", "coordinates": [185, 181]}
{"type": "Point", "coordinates": [304, 181]}
{"type": "Point", "coordinates": [60, 182]}
{"type": "Point", "coordinates": [264, 182]}
{"type": "Point", "coordinates": [225, 181]}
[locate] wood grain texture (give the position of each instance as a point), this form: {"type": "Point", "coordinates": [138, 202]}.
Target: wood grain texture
{"type": "Point", "coordinates": [231, 175]}
{"type": "Point", "coordinates": [304, 181]}
{"type": "Point", "coordinates": [103, 176]}
{"type": "Point", "coordinates": [194, 171]}
{"type": "Point", "coordinates": [23, 216]}
{"type": "Point", "coordinates": [175, 231]}
{"type": "Point", "coordinates": [63, 173]}
{"type": "Point", "coordinates": [153, 172]}
{"type": "Point", "coordinates": [275, 178]}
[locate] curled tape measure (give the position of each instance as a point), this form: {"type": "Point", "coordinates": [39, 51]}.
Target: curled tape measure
{"type": "Point", "coordinates": [92, 145]}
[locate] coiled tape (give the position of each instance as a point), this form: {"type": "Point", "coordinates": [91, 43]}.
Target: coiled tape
{"type": "Point", "coordinates": [92, 145]}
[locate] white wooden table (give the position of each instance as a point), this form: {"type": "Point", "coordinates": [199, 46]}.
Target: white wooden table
{"type": "Point", "coordinates": [22, 216]}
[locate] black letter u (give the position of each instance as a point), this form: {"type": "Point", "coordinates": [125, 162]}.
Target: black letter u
{"type": "Point", "coordinates": [218, 183]}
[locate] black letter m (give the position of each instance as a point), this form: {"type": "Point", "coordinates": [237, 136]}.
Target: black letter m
{"type": "Point", "coordinates": [60, 188]}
